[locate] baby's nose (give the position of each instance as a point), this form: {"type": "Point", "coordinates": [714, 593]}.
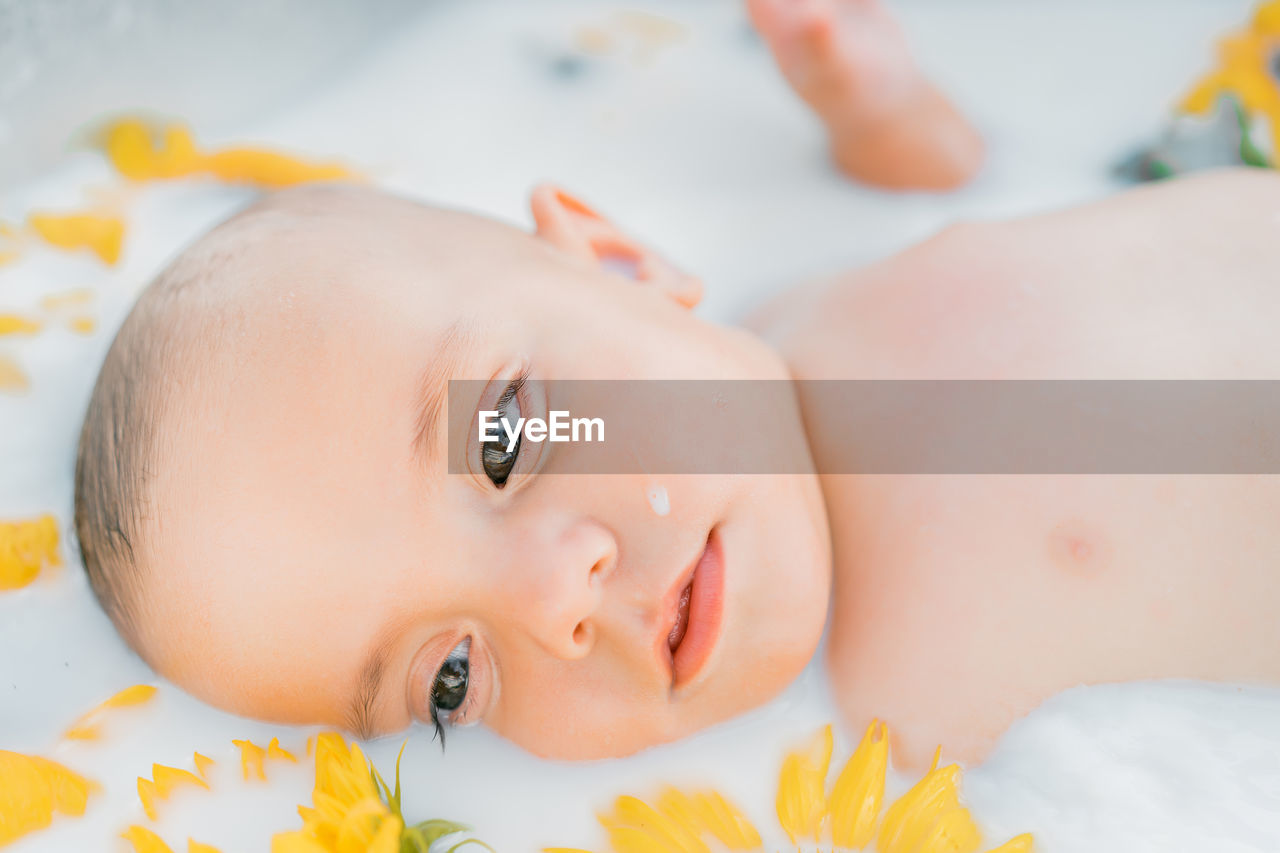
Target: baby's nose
{"type": "Point", "coordinates": [559, 585]}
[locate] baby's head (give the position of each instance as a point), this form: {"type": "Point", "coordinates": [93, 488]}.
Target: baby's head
{"type": "Point", "coordinates": [265, 510]}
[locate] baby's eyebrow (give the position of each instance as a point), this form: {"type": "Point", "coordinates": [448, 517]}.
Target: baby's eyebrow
{"type": "Point", "coordinates": [433, 387]}
{"type": "Point", "coordinates": [359, 716]}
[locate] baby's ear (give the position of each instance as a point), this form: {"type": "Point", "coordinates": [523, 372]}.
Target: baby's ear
{"type": "Point", "coordinates": [577, 229]}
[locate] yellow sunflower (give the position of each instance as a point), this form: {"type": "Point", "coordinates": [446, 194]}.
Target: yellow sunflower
{"type": "Point", "coordinates": [1246, 63]}
{"type": "Point", "coordinates": [929, 818]}
{"type": "Point", "coordinates": [355, 811]}
{"type": "Point", "coordinates": [348, 814]}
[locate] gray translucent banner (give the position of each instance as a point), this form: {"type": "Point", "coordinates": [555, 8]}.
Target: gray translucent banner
{"type": "Point", "coordinates": [878, 427]}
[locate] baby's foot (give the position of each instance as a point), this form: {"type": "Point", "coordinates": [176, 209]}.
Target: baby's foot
{"type": "Point", "coordinates": [849, 61]}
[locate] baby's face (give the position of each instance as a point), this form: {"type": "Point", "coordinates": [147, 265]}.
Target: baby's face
{"type": "Point", "coordinates": [314, 561]}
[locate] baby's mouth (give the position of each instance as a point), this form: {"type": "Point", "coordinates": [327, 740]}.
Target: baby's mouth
{"type": "Point", "coordinates": [682, 618]}
{"type": "Point", "coordinates": [695, 613]}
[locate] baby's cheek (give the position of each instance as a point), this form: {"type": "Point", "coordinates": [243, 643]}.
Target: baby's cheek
{"type": "Point", "coordinates": [591, 713]}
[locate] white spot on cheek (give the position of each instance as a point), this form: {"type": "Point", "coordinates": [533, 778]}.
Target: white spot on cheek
{"type": "Point", "coordinates": [659, 500]}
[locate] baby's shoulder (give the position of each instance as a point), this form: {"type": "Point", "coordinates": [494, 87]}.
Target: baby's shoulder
{"type": "Point", "coordinates": [1161, 281]}
{"type": "Point", "coordinates": [958, 305]}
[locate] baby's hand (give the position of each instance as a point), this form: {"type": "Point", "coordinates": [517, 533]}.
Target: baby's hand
{"type": "Point", "coordinates": [849, 61]}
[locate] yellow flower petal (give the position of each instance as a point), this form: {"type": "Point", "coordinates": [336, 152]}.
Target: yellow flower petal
{"type": "Point", "coordinates": [25, 548]}
{"type": "Point", "coordinates": [168, 779]}
{"type": "Point", "coordinates": [132, 149]}
{"type": "Point", "coordinates": [163, 782]}
{"type": "Point", "coordinates": [929, 818]}
{"type": "Point", "coordinates": [32, 790]}
{"type": "Point", "coordinates": [274, 750]}
{"type": "Point", "coordinates": [194, 846]}
{"type": "Point", "coordinates": [629, 839]}
{"type": "Point", "coordinates": [102, 234]}
{"type": "Point", "coordinates": [145, 841]}
{"type": "Point", "coordinates": [710, 813]}
{"type": "Point", "coordinates": [859, 790]}
{"type": "Point", "coordinates": [203, 765]}
{"type": "Point", "coordinates": [630, 811]}
{"type": "Point", "coordinates": [148, 795]}
{"type": "Point", "coordinates": [388, 838]}
{"type": "Point", "coordinates": [86, 727]}
{"type": "Point", "coordinates": [12, 324]}
{"type": "Point", "coordinates": [1019, 844]}
{"type": "Point", "coordinates": [251, 756]}
{"type": "Point", "coordinates": [296, 842]}
{"type": "Point", "coordinates": [12, 379]}
{"type": "Point", "coordinates": [801, 801]}
{"type": "Point", "coordinates": [955, 832]}
{"type": "Point", "coordinates": [269, 168]}
{"type": "Point", "coordinates": [129, 148]}
{"type": "Point", "coordinates": [138, 694]}
{"type": "Point", "coordinates": [726, 822]}
{"type": "Point", "coordinates": [909, 820]}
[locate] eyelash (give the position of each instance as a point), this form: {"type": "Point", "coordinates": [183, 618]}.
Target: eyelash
{"type": "Point", "coordinates": [439, 727]}
{"type": "Point", "coordinates": [509, 394]}
{"type": "Point", "coordinates": [435, 683]}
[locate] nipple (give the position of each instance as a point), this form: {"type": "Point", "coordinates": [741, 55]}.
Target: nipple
{"type": "Point", "coordinates": [658, 500]}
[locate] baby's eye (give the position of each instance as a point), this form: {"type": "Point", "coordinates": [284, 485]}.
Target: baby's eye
{"type": "Point", "coordinates": [449, 689]}
{"type": "Point", "coordinates": [494, 458]}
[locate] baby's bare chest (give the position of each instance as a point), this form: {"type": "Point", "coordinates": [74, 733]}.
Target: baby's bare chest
{"type": "Point", "coordinates": [961, 602]}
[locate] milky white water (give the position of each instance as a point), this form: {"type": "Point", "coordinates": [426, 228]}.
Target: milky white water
{"type": "Point", "coordinates": [700, 150]}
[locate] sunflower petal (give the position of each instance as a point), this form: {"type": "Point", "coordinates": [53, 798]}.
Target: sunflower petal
{"type": "Point", "coordinates": [675, 836]}
{"type": "Point", "coordinates": [629, 839]}
{"type": "Point", "coordinates": [274, 750]}
{"type": "Point", "coordinates": [296, 842]}
{"type": "Point", "coordinates": [251, 756]}
{"type": "Point", "coordinates": [858, 793]}
{"type": "Point", "coordinates": [145, 841]}
{"type": "Point", "coordinates": [32, 789]}
{"type": "Point", "coordinates": [25, 546]}
{"type": "Point", "coordinates": [194, 846]}
{"type": "Point", "coordinates": [908, 820]}
{"type": "Point", "coordinates": [801, 801]}
{"type": "Point", "coordinates": [726, 823]}
{"type": "Point", "coordinates": [1018, 844]}
{"type": "Point", "coordinates": [955, 832]}
{"type": "Point", "coordinates": [86, 727]}
{"type": "Point", "coordinates": [204, 764]}
{"type": "Point", "coordinates": [101, 234]}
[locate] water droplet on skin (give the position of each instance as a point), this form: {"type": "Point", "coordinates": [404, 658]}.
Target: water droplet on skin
{"type": "Point", "coordinates": [659, 500]}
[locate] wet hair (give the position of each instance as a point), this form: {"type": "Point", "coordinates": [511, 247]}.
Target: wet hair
{"type": "Point", "coordinates": [120, 440]}
{"type": "Point", "coordinates": [182, 322]}
{"type": "Point", "coordinates": [175, 326]}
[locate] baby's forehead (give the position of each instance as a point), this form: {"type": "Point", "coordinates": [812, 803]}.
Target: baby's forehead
{"type": "Point", "coordinates": [337, 250]}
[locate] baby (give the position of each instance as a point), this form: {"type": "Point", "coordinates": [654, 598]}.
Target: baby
{"type": "Point", "coordinates": [266, 510]}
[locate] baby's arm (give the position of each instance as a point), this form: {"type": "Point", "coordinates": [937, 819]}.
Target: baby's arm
{"type": "Point", "coordinates": [888, 125]}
